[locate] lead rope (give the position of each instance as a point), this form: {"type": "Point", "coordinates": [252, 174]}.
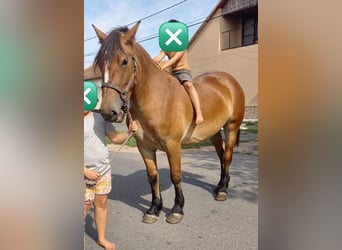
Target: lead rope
{"type": "Point", "coordinates": [129, 117]}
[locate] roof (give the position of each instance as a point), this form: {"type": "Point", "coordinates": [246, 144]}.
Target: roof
{"type": "Point", "coordinates": [90, 73]}
{"type": "Point", "coordinates": [220, 4]}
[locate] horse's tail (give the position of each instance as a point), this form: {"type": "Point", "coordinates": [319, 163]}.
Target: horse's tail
{"type": "Point", "coordinates": [237, 139]}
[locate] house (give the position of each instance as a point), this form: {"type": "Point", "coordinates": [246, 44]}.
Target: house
{"type": "Point", "coordinates": [92, 73]}
{"type": "Point", "coordinates": [228, 41]}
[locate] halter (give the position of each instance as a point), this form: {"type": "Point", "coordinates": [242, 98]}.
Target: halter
{"type": "Point", "coordinates": [123, 92]}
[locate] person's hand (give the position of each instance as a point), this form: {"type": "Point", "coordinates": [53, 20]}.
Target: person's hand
{"type": "Point", "coordinates": [91, 174]}
{"type": "Point", "coordinates": [133, 127]}
{"type": "Point", "coordinates": [159, 66]}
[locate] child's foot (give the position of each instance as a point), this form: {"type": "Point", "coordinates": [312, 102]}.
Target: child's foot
{"type": "Point", "coordinates": [106, 244]}
{"type": "Point", "coordinates": [199, 119]}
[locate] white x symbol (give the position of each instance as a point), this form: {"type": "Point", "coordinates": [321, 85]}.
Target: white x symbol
{"type": "Point", "coordinates": [173, 37]}
{"type": "Point", "coordinates": [86, 92]}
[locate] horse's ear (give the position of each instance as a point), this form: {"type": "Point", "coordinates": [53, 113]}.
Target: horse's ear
{"type": "Point", "coordinates": [130, 35]}
{"type": "Point", "coordinates": [101, 35]}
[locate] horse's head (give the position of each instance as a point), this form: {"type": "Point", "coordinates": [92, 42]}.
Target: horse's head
{"type": "Point", "coordinates": [116, 61]}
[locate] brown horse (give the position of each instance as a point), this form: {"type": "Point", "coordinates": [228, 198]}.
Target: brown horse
{"type": "Point", "coordinates": [164, 112]}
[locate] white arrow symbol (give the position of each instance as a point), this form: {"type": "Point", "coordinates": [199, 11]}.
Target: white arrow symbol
{"type": "Point", "coordinates": [173, 37]}
{"type": "Point", "coordinates": [86, 92]}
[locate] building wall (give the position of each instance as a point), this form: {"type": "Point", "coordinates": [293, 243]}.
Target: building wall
{"type": "Point", "coordinates": [242, 63]}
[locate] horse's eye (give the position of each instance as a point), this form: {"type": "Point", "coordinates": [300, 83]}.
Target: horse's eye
{"type": "Point", "coordinates": [124, 63]}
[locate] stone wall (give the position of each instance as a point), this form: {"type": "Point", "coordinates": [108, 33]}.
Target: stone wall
{"type": "Point", "coordinates": [251, 112]}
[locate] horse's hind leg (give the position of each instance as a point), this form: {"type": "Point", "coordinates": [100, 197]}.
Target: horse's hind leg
{"type": "Point", "coordinates": [226, 153]}
{"type": "Point", "coordinates": [217, 141]}
{"type": "Point", "coordinates": [150, 161]}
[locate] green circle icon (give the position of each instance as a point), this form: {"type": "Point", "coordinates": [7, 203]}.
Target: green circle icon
{"type": "Point", "coordinates": [173, 36]}
{"type": "Point", "coordinates": [90, 95]}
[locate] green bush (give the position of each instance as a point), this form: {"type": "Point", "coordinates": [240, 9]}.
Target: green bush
{"type": "Point", "coordinates": [250, 127]}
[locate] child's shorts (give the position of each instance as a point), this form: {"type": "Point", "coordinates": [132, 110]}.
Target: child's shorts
{"type": "Point", "coordinates": [183, 75]}
{"type": "Point", "coordinates": [103, 186]}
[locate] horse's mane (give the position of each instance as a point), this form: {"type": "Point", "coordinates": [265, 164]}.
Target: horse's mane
{"type": "Point", "coordinates": [109, 46]}
{"type": "Point", "coordinates": [146, 57]}
{"type": "Point", "coordinates": [112, 43]}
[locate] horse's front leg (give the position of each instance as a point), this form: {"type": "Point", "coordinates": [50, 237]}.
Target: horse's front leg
{"type": "Point", "coordinates": [152, 213]}
{"type": "Point", "coordinates": [174, 158]}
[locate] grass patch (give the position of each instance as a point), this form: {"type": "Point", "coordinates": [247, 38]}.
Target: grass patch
{"type": "Point", "coordinates": [131, 142]}
{"type": "Point", "coordinates": [198, 145]}
{"type": "Point", "coordinates": [249, 127]}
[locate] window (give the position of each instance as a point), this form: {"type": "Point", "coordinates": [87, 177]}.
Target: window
{"type": "Point", "coordinates": [239, 28]}
{"type": "Point", "coordinates": [250, 30]}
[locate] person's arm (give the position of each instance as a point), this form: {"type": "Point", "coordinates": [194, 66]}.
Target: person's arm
{"type": "Point", "coordinates": [159, 57]}
{"type": "Point", "coordinates": [90, 174]}
{"type": "Point", "coordinates": [172, 60]}
{"type": "Point", "coordinates": [120, 138]}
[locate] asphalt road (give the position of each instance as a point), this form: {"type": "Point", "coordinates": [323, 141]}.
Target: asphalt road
{"type": "Point", "coordinates": [207, 224]}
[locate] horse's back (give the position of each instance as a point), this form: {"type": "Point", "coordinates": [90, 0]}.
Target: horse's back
{"type": "Point", "coordinates": [223, 86]}
{"type": "Point", "coordinates": [219, 80]}
{"type": "Point", "coordinates": [222, 101]}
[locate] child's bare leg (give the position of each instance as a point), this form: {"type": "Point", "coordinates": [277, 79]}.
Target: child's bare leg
{"type": "Point", "coordinates": [89, 194]}
{"type": "Point", "coordinates": [87, 206]}
{"type": "Point", "coordinates": [100, 204]}
{"type": "Point", "coordinates": [195, 101]}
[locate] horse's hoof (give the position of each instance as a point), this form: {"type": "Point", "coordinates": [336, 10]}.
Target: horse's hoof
{"type": "Point", "coordinates": [149, 218]}
{"type": "Point", "coordinates": [174, 218]}
{"type": "Point", "coordinates": [221, 196]}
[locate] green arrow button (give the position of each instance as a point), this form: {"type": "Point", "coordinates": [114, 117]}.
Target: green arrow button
{"type": "Point", "coordinates": [90, 95]}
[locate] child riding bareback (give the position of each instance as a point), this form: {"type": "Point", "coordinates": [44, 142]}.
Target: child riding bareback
{"type": "Point", "coordinates": [178, 61]}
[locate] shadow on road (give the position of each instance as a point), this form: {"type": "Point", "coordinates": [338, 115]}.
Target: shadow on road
{"type": "Point", "coordinates": [132, 189]}
{"type": "Point", "coordinates": [200, 169]}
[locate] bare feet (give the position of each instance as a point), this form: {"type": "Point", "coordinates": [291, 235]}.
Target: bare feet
{"type": "Point", "coordinates": [106, 244]}
{"type": "Point", "coordinates": [199, 119]}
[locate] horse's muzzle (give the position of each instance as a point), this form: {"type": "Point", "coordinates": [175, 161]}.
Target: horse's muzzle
{"type": "Point", "coordinates": [113, 116]}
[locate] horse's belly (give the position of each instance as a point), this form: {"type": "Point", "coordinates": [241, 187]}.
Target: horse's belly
{"type": "Point", "coordinates": [201, 133]}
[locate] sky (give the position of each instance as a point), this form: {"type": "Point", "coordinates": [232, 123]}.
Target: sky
{"type": "Point", "coordinates": [109, 14]}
